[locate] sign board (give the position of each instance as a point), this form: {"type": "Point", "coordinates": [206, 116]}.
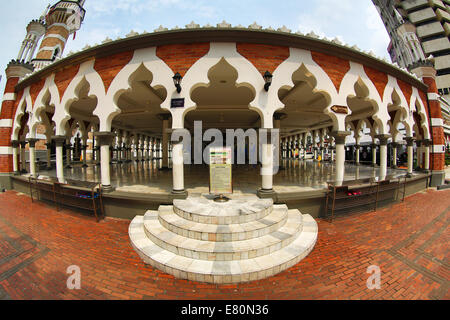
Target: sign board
{"type": "Point", "coordinates": [177, 103]}
{"type": "Point", "coordinates": [220, 171]}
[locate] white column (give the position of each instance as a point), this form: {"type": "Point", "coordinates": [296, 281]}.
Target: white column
{"type": "Point", "coordinates": [68, 153]}
{"type": "Point", "coordinates": [267, 164]}
{"type": "Point", "coordinates": [15, 146]}
{"type": "Point", "coordinates": [59, 140]}
{"type": "Point", "coordinates": [374, 154]}
{"type": "Point", "coordinates": [394, 155]}
{"type": "Point", "coordinates": [427, 155]}
{"type": "Point", "coordinates": [165, 143]}
{"type": "Point", "coordinates": [410, 144]}
{"type": "Point", "coordinates": [340, 155]}
{"type": "Point", "coordinates": [105, 139]}
{"type": "Point", "coordinates": [32, 152]}
{"type": "Point", "coordinates": [383, 155]}
{"type": "Point", "coordinates": [178, 168]}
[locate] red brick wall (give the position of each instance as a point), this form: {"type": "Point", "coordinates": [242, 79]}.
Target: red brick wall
{"type": "Point", "coordinates": [35, 89]}
{"type": "Point", "coordinates": [335, 67]}
{"type": "Point", "coordinates": [64, 77]}
{"type": "Point", "coordinates": [406, 89]}
{"type": "Point", "coordinates": [109, 67]}
{"type": "Point", "coordinates": [379, 79]}
{"type": "Point", "coordinates": [263, 57]}
{"type": "Point", "coordinates": [181, 57]}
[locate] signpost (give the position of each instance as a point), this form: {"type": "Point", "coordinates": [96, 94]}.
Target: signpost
{"type": "Point", "coordinates": [220, 173]}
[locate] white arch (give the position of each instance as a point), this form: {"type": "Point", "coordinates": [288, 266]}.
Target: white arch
{"type": "Point", "coordinates": [25, 104]}
{"type": "Point", "coordinates": [39, 104]}
{"type": "Point", "coordinates": [108, 108]}
{"type": "Point", "coordinates": [96, 88]}
{"type": "Point", "coordinates": [415, 97]}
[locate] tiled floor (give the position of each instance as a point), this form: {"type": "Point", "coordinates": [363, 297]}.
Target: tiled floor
{"type": "Point", "coordinates": [408, 241]}
{"type": "Point", "coordinates": [144, 177]}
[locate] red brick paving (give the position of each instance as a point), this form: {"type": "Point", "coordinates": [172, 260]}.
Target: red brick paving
{"type": "Point", "coordinates": [409, 241]}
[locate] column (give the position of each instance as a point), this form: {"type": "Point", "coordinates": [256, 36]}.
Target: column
{"type": "Point", "coordinates": [374, 154]}
{"type": "Point", "coordinates": [357, 154]}
{"type": "Point", "coordinates": [383, 154]}
{"type": "Point", "coordinates": [165, 143]}
{"type": "Point", "coordinates": [105, 139]}
{"type": "Point", "coordinates": [277, 125]}
{"type": "Point", "coordinates": [59, 141]}
{"type": "Point", "coordinates": [49, 155]}
{"type": "Point", "coordinates": [339, 137]}
{"type": "Point", "coordinates": [178, 169]}
{"type": "Point", "coordinates": [68, 154]}
{"type": "Point", "coordinates": [32, 152]}
{"type": "Point", "coordinates": [427, 144]}
{"type": "Point", "coordinates": [394, 155]}
{"type": "Point", "coordinates": [84, 150]}
{"type": "Point", "coordinates": [267, 155]}
{"type": "Point", "coordinates": [23, 160]}
{"type": "Point", "coordinates": [410, 144]}
{"type": "Point", "coordinates": [419, 153]}
{"type": "Point", "coordinates": [15, 145]}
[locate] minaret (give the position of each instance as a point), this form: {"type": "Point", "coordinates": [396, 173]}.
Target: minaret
{"type": "Point", "coordinates": [35, 30]}
{"type": "Point", "coordinates": [62, 19]}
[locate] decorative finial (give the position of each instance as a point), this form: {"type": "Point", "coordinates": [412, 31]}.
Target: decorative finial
{"type": "Point", "coordinates": [255, 26]}
{"type": "Point", "coordinates": [223, 24]}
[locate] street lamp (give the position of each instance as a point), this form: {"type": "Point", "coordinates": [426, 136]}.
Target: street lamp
{"type": "Point", "coordinates": [177, 81]}
{"type": "Point", "coordinates": [268, 79]}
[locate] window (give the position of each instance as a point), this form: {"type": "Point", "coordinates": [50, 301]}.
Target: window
{"type": "Point", "coordinates": [55, 54]}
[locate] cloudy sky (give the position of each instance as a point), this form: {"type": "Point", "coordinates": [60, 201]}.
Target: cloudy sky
{"type": "Point", "coordinates": [352, 21]}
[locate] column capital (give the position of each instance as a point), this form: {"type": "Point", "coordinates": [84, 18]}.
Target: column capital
{"type": "Point", "coordinates": [15, 143]}
{"type": "Point", "coordinates": [419, 143]}
{"type": "Point", "coordinates": [383, 138]}
{"type": "Point", "coordinates": [23, 144]}
{"type": "Point", "coordinates": [279, 116]}
{"type": "Point", "coordinates": [59, 140]}
{"type": "Point", "coordinates": [426, 142]}
{"type": "Point", "coordinates": [104, 138]}
{"type": "Point", "coordinates": [32, 142]}
{"type": "Point", "coordinates": [395, 144]}
{"type": "Point", "coordinates": [409, 141]}
{"type": "Point", "coordinates": [357, 146]}
{"type": "Point", "coordinates": [339, 136]}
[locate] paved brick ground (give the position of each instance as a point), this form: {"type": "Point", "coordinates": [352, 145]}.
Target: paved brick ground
{"type": "Point", "coordinates": [409, 241]}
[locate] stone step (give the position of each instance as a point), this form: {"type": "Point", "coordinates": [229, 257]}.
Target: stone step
{"type": "Point", "coordinates": [223, 271]}
{"type": "Point", "coordinates": [223, 251]}
{"type": "Point", "coordinates": [236, 211]}
{"type": "Point", "coordinates": [223, 233]}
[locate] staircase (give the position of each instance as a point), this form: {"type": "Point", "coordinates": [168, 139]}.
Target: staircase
{"type": "Point", "coordinates": [238, 241]}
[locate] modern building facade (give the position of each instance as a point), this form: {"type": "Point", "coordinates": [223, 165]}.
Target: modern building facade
{"type": "Point", "coordinates": [419, 29]}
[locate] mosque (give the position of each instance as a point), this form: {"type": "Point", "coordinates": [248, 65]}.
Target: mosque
{"type": "Point", "coordinates": [106, 114]}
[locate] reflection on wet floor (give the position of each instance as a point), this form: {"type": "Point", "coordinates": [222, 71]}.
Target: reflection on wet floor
{"type": "Point", "coordinates": [145, 177]}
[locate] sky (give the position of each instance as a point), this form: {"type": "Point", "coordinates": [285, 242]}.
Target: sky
{"type": "Point", "coordinates": [355, 22]}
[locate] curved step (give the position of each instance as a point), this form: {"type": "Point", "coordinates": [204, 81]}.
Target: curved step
{"type": "Point", "coordinates": [223, 251]}
{"type": "Point", "coordinates": [223, 233]}
{"type": "Point", "coordinates": [237, 211]}
{"type": "Point", "coordinates": [223, 271]}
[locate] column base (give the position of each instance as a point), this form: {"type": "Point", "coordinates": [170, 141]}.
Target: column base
{"type": "Point", "coordinates": [409, 175]}
{"type": "Point", "coordinates": [16, 173]}
{"type": "Point", "coordinates": [357, 164]}
{"type": "Point", "coordinates": [437, 178]}
{"type": "Point", "coordinates": [23, 171]}
{"type": "Point", "coordinates": [178, 194]}
{"type": "Point", "coordinates": [107, 189]}
{"type": "Point", "coordinates": [84, 165]}
{"type": "Point", "coordinates": [374, 165]}
{"type": "Point", "coordinates": [394, 167]}
{"type": "Point", "coordinates": [267, 194]}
